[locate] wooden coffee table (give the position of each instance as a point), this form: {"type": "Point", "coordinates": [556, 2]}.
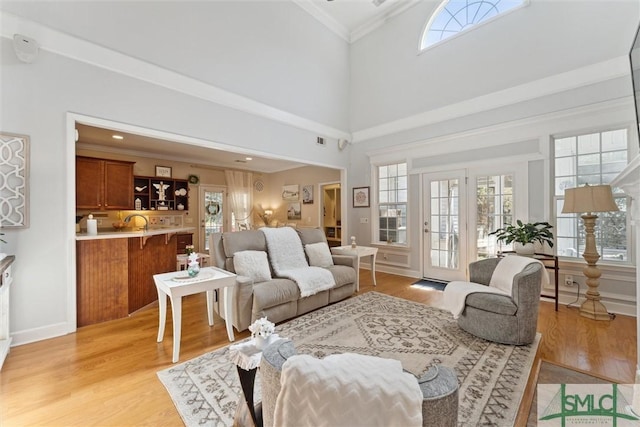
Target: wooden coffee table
{"type": "Point", "coordinates": [177, 284]}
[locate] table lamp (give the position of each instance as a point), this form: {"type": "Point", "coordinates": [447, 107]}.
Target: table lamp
{"type": "Point", "coordinates": [587, 200]}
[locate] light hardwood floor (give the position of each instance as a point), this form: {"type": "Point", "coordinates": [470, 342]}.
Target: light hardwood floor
{"type": "Point", "coordinates": [105, 374]}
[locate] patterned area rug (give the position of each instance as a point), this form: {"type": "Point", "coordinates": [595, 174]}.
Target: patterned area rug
{"type": "Point", "coordinates": [492, 376]}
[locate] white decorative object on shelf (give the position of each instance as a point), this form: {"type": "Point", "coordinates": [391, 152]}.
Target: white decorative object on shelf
{"type": "Point", "coordinates": [353, 242]}
{"type": "Point", "coordinates": [193, 268]}
{"type": "Point", "coordinates": [261, 331]}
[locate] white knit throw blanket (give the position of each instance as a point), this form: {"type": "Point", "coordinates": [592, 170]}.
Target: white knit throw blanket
{"type": "Point", "coordinates": [347, 390]}
{"type": "Point", "coordinates": [287, 260]}
{"type": "Point", "coordinates": [455, 293]}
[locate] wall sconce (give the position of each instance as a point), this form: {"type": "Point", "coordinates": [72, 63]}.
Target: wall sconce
{"type": "Point", "coordinates": [266, 216]}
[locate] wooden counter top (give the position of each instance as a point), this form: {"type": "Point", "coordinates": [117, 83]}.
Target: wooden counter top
{"type": "Point", "coordinates": [128, 232]}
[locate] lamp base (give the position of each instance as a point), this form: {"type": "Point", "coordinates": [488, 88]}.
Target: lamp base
{"type": "Point", "coordinates": [594, 310]}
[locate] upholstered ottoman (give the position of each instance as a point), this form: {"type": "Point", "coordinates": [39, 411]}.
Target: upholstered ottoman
{"type": "Point", "coordinates": [273, 357]}
{"type": "Point", "coordinates": [439, 387]}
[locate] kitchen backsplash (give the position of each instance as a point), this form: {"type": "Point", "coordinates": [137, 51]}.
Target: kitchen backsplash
{"type": "Point", "coordinates": [155, 218]}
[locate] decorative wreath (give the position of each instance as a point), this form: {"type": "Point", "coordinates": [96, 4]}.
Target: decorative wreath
{"type": "Point", "coordinates": [193, 179]}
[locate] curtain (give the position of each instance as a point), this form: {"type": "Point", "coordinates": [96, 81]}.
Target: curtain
{"type": "Point", "coordinates": [240, 185]}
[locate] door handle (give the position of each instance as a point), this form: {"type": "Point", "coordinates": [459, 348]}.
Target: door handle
{"type": "Point", "coordinates": [426, 230]}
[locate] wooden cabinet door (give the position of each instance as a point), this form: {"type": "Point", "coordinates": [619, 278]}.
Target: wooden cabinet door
{"type": "Point", "coordinates": [184, 240]}
{"type": "Point", "coordinates": [89, 173]}
{"type": "Point", "coordinates": [118, 185]}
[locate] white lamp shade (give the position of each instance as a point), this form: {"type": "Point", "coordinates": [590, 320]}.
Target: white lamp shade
{"type": "Point", "coordinates": [587, 199]}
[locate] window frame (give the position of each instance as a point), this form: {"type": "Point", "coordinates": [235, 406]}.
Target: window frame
{"type": "Point", "coordinates": [632, 150]}
{"type": "Point", "coordinates": [375, 205]}
{"type": "Point", "coordinates": [422, 48]}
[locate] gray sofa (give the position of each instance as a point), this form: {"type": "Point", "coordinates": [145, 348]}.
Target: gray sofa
{"type": "Point", "coordinates": [277, 299]}
{"type": "Point", "coordinates": [501, 318]}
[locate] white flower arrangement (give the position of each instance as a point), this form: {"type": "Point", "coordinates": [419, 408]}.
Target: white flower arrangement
{"type": "Point", "coordinates": [193, 258]}
{"type": "Point", "coordinates": [262, 328]}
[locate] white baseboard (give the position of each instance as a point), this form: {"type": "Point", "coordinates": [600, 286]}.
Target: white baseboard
{"type": "Point", "coordinates": [612, 306]}
{"type": "Point", "coordinates": [392, 270]}
{"type": "Point", "coordinates": [39, 334]}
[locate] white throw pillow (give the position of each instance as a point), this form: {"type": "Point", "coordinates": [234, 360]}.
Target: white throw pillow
{"type": "Point", "coordinates": [319, 254]}
{"type": "Point", "coordinates": [253, 264]}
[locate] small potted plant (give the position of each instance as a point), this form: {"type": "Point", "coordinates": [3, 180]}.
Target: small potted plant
{"type": "Point", "coordinates": [524, 235]}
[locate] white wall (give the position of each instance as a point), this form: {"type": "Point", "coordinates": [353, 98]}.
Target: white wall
{"type": "Point", "coordinates": [540, 40]}
{"type": "Point", "coordinates": [272, 52]}
{"type": "Point", "coordinates": [35, 100]}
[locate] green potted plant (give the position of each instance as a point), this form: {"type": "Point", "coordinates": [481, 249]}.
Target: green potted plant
{"type": "Point", "coordinates": [524, 235]}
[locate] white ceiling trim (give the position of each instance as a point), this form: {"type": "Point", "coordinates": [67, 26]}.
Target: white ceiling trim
{"type": "Point", "coordinates": [362, 30]}
{"type": "Point", "coordinates": [324, 18]}
{"type": "Point", "coordinates": [442, 144]}
{"type": "Point", "coordinates": [591, 74]}
{"type": "Point", "coordinates": [90, 53]}
{"type": "Point", "coordinates": [381, 19]}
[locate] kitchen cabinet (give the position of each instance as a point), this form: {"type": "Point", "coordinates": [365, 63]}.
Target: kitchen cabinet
{"type": "Point", "coordinates": [103, 184]}
{"type": "Point", "coordinates": [331, 215]}
{"type": "Point", "coordinates": [102, 280]}
{"type": "Point", "coordinates": [155, 193]}
{"type": "Point", "coordinates": [184, 240]}
{"type": "Point", "coordinates": [114, 276]}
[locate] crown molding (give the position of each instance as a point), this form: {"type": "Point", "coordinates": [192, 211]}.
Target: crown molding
{"type": "Point", "coordinates": [325, 19]}
{"type": "Point", "coordinates": [379, 20]}
{"type": "Point", "coordinates": [81, 50]}
{"type": "Point", "coordinates": [426, 147]}
{"type": "Point", "coordinates": [591, 74]}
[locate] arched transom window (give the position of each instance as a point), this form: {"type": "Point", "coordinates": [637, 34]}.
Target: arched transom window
{"type": "Point", "coordinates": [455, 16]}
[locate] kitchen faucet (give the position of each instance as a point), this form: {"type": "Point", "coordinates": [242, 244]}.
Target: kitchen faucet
{"type": "Point", "coordinates": [146, 221]}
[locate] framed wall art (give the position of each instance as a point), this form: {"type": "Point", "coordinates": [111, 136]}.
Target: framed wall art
{"type": "Point", "coordinates": [307, 194]}
{"type": "Point", "coordinates": [361, 197]}
{"type": "Point", "coordinates": [291, 192]}
{"type": "Point", "coordinates": [14, 180]}
{"type": "Point", "coordinates": [294, 211]}
{"type": "Point", "coordinates": [163, 171]}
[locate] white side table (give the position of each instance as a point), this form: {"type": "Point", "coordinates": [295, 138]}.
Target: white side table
{"type": "Point", "coordinates": [247, 357]}
{"type": "Point", "coordinates": [177, 284]}
{"type": "Point", "coordinates": [359, 251]}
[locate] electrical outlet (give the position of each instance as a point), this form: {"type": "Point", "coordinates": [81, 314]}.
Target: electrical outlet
{"type": "Point", "coordinates": [568, 280]}
{"type": "Point", "coordinates": [364, 220]}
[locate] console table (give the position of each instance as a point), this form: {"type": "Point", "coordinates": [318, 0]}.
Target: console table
{"type": "Point", "coordinates": [359, 251]}
{"type": "Point", "coordinates": [551, 263]}
{"type": "Point", "coordinates": [177, 284]}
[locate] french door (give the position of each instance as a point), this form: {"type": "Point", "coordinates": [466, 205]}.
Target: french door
{"type": "Point", "coordinates": [213, 213]}
{"type": "Point", "coordinates": [445, 225]}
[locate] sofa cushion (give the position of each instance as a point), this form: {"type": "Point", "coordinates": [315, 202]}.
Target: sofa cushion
{"type": "Point", "coordinates": [319, 254]}
{"type": "Point", "coordinates": [495, 303]}
{"type": "Point", "coordinates": [311, 235]}
{"type": "Point", "coordinates": [274, 292]}
{"type": "Point", "coordinates": [243, 240]}
{"type": "Point", "coordinates": [252, 264]}
{"type": "Point", "coordinates": [342, 274]}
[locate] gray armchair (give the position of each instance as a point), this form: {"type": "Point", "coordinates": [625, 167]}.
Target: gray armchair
{"type": "Point", "coordinates": [500, 318]}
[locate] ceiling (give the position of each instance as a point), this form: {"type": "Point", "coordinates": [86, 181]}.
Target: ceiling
{"type": "Point", "coordinates": [352, 19]}
{"type": "Point", "coordinates": [99, 139]}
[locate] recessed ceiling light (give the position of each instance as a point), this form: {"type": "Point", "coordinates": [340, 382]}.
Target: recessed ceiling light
{"type": "Point", "coordinates": [248, 158]}
{"type": "Point", "coordinates": [117, 136]}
